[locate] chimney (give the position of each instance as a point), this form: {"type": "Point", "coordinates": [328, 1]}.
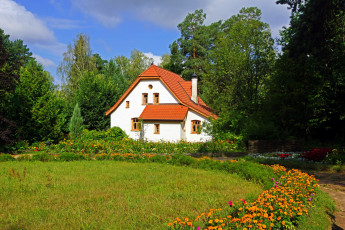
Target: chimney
{"type": "Point", "coordinates": [195, 88]}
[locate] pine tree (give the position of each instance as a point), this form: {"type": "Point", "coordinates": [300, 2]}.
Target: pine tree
{"type": "Point", "coordinates": [76, 123]}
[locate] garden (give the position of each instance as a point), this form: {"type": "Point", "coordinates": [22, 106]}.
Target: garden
{"type": "Point", "coordinates": [116, 182]}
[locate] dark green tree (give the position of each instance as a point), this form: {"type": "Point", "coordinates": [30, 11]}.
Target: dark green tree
{"type": "Point", "coordinates": [308, 88]}
{"type": "Point", "coordinates": [13, 55]}
{"type": "Point", "coordinates": [241, 65]}
{"type": "Point", "coordinates": [96, 94]}
{"type": "Point", "coordinates": [28, 103]}
{"type": "Point", "coordinates": [76, 123]}
{"type": "Point", "coordinates": [189, 54]}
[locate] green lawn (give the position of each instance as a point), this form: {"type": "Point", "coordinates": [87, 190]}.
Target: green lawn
{"type": "Point", "coordinates": [110, 195]}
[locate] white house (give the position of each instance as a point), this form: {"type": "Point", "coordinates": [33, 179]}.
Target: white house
{"type": "Point", "coordinates": [168, 106]}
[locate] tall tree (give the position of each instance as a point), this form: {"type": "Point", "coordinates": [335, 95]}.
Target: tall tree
{"type": "Point", "coordinates": [133, 66]}
{"type": "Point", "coordinates": [29, 104]}
{"type": "Point", "coordinates": [308, 88]}
{"type": "Point", "coordinates": [189, 54]}
{"type": "Point", "coordinates": [13, 55]}
{"type": "Point", "coordinates": [77, 61]}
{"type": "Point", "coordinates": [242, 63]}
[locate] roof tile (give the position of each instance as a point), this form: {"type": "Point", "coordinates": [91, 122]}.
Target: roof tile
{"type": "Point", "coordinates": [164, 112]}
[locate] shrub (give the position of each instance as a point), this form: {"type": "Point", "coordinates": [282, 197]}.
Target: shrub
{"type": "Point", "coordinates": [6, 157]}
{"type": "Point", "coordinates": [42, 157]}
{"type": "Point", "coordinates": [318, 154]}
{"type": "Point", "coordinates": [70, 157]}
{"type": "Point", "coordinates": [75, 126]}
{"type": "Point", "coordinates": [116, 133]}
{"type": "Point", "coordinates": [337, 157]}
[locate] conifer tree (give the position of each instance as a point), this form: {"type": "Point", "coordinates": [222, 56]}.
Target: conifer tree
{"type": "Point", "coordinates": [76, 123]}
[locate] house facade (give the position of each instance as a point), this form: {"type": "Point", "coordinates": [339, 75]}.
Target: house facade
{"type": "Point", "coordinates": [168, 107]}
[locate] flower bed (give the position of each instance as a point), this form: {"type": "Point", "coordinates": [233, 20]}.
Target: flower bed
{"type": "Point", "coordinates": [126, 145]}
{"type": "Point", "coordinates": [279, 207]}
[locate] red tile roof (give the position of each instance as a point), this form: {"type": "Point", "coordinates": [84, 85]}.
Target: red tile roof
{"type": "Point", "coordinates": [180, 88]}
{"type": "Point", "coordinates": [164, 112]}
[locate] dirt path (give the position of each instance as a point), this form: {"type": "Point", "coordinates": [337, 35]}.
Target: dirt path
{"type": "Point", "coordinates": [334, 185]}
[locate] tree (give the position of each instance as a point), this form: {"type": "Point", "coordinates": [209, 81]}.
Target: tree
{"type": "Point", "coordinates": [28, 103]}
{"type": "Point", "coordinates": [96, 94]}
{"type": "Point", "coordinates": [133, 66]}
{"type": "Point", "coordinates": [241, 65]}
{"type": "Point", "coordinates": [13, 55]}
{"type": "Point", "coordinates": [189, 54]}
{"type": "Point", "coordinates": [76, 123]}
{"type": "Point", "coordinates": [309, 84]}
{"type": "Point", "coordinates": [77, 61]}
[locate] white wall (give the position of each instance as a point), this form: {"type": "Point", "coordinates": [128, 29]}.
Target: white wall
{"type": "Point", "coordinates": [202, 137]}
{"type": "Point", "coordinates": [122, 116]}
{"type": "Point", "coordinates": [169, 131]}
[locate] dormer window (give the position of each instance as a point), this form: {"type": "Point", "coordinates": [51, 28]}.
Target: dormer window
{"type": "Point", "coordinates": [145, 99]}
{"type": "Point", "coordinates": [156, 98]}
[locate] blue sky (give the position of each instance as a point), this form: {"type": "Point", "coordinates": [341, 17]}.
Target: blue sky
{"type": "Point", "coordinates": [115, 27]}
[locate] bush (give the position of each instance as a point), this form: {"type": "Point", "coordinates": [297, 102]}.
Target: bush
{"type": "Point", "coordinates": [70, 157]}
{"type": "Point", "coordinates": [318, 154]}
{"type": "Point", "coordinates": [114, 133]}
{"type": "Point", "coordinates": [42, 157]}
{"type": "Point", "coordinates": [337, 157]}
{"type": "Point", "coordinates": [6, 157]}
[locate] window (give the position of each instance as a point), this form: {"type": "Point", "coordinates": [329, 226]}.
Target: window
{"type": "Point", "coordinates": [196, 125]}
{"type": "Point", "coordinates": [145, 101]}
{"type": "Point", "coordinates": [150, 86]}
{"type": "Point", "coordinates": [156, 98]}
{"type": "Point", "coordinates": [127, 104]}
{"type": "Point", "coordinates": [157, 129]}
{"type": "Point", "coordinates": [135, 124]}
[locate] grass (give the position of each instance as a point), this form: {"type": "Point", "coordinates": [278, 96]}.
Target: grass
{"type": "Point", "coordinates": [110, 195]}
{"type": "Point", "coordinates": [319, 214]}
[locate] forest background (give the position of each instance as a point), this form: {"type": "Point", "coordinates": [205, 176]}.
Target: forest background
{"type": "Point", "coordinates": [291, 89]}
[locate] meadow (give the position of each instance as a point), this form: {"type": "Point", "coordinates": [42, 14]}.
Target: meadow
{"type": "Point", "coordinates": [110, 194]}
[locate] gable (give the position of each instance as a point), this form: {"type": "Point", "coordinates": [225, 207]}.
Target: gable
{"type": "Point", "coordinates": [178, 87]}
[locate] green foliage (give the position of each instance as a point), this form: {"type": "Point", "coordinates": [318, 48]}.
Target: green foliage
{"type": "Point", "coordinates": [242, 62]}
{"type": "Point", "coordinates": [70, 157]}
{"type": "Point", "coordinates": [35, 105]}
{"type": "Point", "coordinates": [77, 61]}
{"type": "Point", "coordinates": [96, 94]}
{"type": "Point", "coordinates": [76, 123]}
{"type": "Point", "coordinates": [13, 55]}
{"type": "Point", "coordinates": [42, 157]}
{"type": "Point", "coordinates": [6, 157]}
{"type": "Point", "coordinates": [307, 91]}
{"type": "Point", "coordinates": [189, 53]}
{"type": "Point", "coordinates": [114, 133]}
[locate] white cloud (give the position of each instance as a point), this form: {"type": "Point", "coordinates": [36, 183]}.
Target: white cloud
{"type": "Point", "coordinates": [20, 23]}
{"type": "Point", "coordinates": [156, 59]}
{"type": "Point", "coordinates": [62, 23]}
{"type": "Point", "coordinates": [169, 14]}
{"type": "Point", "coordinates": [44, 61]}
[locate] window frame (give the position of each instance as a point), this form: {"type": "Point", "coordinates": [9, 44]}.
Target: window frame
{"type": "Point", "coordinates": [143, 98]}
{"type": "Point", "coordinates": [135, 121]}
{"type": "Point", "coordinates": [196, 124]}
{"type": "Point", "coordinates": [157, 129]}
{"type": "Point", "coordinates": [154, 98]}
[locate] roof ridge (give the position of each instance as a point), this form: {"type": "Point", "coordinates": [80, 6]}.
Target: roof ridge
{"type": "Point", "coordinates": [165, 70]}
